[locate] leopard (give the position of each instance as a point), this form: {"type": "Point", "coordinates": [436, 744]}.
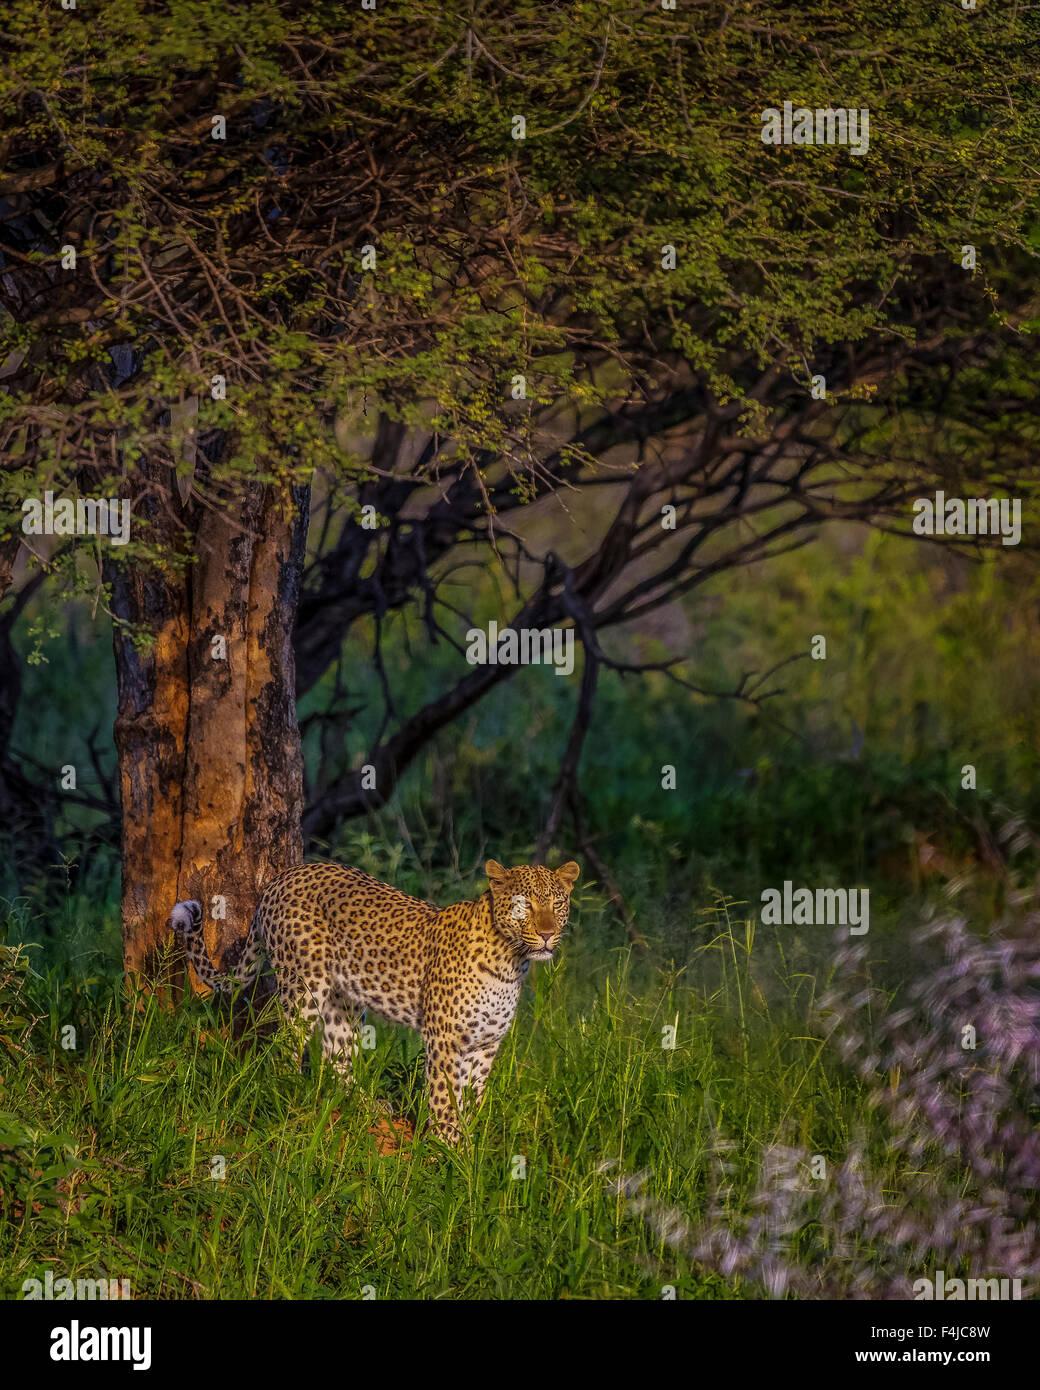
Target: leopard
{"type": "Point", "coordinates": [339, 942]}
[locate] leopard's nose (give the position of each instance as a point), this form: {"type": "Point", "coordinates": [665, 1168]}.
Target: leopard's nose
{"type": "Point", "coordinates": [547, 937]}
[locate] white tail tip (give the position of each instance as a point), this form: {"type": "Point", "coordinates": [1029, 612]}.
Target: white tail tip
{"type": "Point", "coordinates": [186, 916]}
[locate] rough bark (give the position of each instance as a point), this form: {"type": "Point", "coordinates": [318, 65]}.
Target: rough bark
{"type": "Point", "coordinates": [209, 748]}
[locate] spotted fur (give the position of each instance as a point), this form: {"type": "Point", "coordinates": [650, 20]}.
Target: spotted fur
{"type": "Point", "coordinates": [340, 942]}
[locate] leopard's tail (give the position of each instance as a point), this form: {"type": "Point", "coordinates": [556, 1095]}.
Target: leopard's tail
{"type": "Point", "coordinates": [186, 922]}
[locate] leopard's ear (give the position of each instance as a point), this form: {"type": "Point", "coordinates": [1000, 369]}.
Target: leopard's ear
{"type": "Point", "coordinates": [568, 874]}
{"type": "Point", "coordinates": [495, 871]}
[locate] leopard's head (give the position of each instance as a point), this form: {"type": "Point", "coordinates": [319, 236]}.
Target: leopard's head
{"type": "Point", "coordinates": [530, 904]}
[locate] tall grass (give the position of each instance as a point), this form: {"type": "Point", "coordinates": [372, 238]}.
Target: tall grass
{"type": "Point", "coordinates": [112, 1143]}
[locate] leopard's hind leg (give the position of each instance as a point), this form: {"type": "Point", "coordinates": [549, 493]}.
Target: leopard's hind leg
{"type": "Point", "coordinates": [310, 998]}
{"type": "Point", "coordinates": [341, 1024]}
{"type": "Point", "coordinates": [313, 1003]}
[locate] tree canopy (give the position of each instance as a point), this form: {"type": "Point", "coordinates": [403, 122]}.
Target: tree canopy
{"type": "Point", "coordinates": [243, 257]}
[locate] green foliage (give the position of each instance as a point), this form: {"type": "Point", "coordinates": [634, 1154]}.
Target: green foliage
{"type": "Point", "coordinates": [13, 1025]}
{"type": "Point", "coordinates": [243, 256]}
{"type": "Point", "coordinates": [32, 1160]}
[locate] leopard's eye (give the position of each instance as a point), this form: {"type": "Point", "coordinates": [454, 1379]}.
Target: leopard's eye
{"type": "Point", "coordinates": [520, 908]}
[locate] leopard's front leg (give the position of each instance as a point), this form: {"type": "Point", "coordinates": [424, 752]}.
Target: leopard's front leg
{"type": "Point", "coordinates": [444, 1083]}
{"type": "Point", "coordinates": [478, 1064]}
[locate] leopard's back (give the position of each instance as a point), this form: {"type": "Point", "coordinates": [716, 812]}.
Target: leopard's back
{"type": "Point", "coordinates": [337, 923]}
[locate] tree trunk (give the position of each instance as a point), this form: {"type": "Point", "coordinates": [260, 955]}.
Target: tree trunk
{"type": "Point", "coordinates": [209, 747]}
